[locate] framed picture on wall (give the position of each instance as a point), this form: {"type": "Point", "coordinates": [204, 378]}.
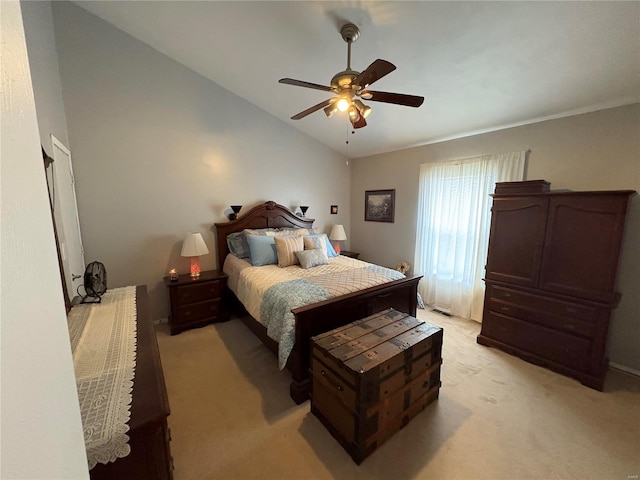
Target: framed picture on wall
{"type": "Point", "coordinates": [334, 209]}
{"type": "Point", "coordinates": [379, 205]}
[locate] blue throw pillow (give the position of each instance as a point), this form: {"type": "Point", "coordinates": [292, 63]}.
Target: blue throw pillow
{"type": "Point", "coordinates": [262, 249]}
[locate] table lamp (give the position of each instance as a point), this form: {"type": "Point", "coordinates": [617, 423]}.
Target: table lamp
{"type": "Point", "coordinates": [337, 234]}
{"type": "Point", "coordinates": [193, 247]}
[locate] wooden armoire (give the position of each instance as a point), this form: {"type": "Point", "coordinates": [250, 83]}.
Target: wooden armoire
{"type": "Point", "coordinates": [550, 276]}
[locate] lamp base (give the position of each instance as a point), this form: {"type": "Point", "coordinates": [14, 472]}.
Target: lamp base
{"type": "Point", "coordinates": [195, 267]}
{"type": "Point", "coordinates": [336, 247]}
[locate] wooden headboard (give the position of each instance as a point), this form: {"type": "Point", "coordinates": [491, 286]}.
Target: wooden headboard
{"type": "Point", "coordinates": [268, 215]}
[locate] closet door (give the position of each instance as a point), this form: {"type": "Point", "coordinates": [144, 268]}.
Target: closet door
{"type": "Point", "coordinates": [516, 239]}
{"type": "Point", "coordinates": [65, 209]}
{"type": "Point", "coordinates": [582, 244]}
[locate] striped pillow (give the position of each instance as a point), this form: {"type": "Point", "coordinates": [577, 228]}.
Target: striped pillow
{"type": "Point", "coordinates": [286, 248]}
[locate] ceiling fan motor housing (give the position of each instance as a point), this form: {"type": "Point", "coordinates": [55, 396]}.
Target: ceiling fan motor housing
{"type": "Point", "coordinates": [350, 32]}
{"type": "Point", "coordinates": [343, 79]}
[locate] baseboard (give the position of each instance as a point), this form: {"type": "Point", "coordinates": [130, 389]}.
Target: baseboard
{"type": "Point", "coordinates": [625, 369]}
{"type": "Point", "coordinates": [161, 321]}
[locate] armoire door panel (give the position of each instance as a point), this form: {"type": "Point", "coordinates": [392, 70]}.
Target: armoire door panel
{"type": "Point", "coordinates": [516, 239]}
{"type": "Point", "coordinates": [582, 245]}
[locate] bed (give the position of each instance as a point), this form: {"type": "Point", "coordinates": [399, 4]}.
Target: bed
{"type": "Point", "coordinates": [318, 317]}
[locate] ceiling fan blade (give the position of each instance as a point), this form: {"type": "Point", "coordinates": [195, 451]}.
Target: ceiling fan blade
{"type": "Point", "coordinates": [395, 98]}
{"type": "Point", "coordinates": [361, 122]}
{"type": "Point", "coordinates": [300, 83]}
{"type": "Point", "coordinates": [375, 71]}
{"type": "Point", "coordinates": [315, 108]}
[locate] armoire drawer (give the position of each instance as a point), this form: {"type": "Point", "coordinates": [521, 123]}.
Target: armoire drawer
{"type": "Point", "coordinates": [564, 349]}
{"type": "Point", "coordinates": [541, 316]}
{"type": "Point", "coordinates": [547, 304]}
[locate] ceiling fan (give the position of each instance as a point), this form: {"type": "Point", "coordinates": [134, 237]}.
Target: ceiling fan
{"type": "Point", "coordinates": [351, 86]}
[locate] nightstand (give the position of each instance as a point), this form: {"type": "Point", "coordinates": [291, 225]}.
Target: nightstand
{"type": "Point", "coordinates": [347, 253]}
{"type": "Point", "coordinates": [196, 301]}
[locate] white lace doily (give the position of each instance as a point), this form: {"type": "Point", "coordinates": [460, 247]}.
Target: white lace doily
{"type": "Point", "coordinates": [104, 362]}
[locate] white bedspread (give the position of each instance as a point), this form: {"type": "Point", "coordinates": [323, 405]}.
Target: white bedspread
{"type": "Point", "coordinates": [269, 292]}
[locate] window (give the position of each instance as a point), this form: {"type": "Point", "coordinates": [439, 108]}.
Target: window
{"type": "Point", "coordinates": [454, 216]}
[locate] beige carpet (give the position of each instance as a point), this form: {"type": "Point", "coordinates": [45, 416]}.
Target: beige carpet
{"type": "Point", "coordinates": [497, 417]}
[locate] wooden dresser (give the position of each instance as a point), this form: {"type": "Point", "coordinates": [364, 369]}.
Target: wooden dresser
{"type": "Point", "coordinates": [149, 436]}
{"type": "Point", "coordinates": [550, 276]}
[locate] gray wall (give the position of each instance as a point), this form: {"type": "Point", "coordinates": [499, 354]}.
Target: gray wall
{"type": "Point", "coordinates": [43, 62]}
{"type": "Point", "coordinates": [160, 151]}
{"type": "Point", "coordinates": [41, 428]}
{"type": "Point", "coordinates": [595, 151]}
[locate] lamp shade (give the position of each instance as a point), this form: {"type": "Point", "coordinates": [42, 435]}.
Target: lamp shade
{"type": "Point", "coordinates": [337, 233]}
{"type": "Point", "coordinates": [194, 246]}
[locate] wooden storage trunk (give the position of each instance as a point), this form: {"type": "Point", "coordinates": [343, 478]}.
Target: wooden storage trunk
{"type": "Point", "coordinates": [370, 377]}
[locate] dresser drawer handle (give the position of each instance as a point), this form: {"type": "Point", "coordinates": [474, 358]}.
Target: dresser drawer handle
{"type": "Point", "coordinates": [505, 309]}
{"type": "Point", "coordinates": [506, 294]}
{"type": "Point", "coordinates": [571, 310]}
{"type": "Point", "coordinates": [187, 313]}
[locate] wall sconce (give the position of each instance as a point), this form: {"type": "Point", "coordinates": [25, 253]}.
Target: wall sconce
{"type": "Point", "coordinates": [194, 246]}
{"type": "Point", "coordinates": [337, 234]}
{"type": "Point", "coordinates": [236, 209]}
{"type": "Point", "coordinates": [304, 209]}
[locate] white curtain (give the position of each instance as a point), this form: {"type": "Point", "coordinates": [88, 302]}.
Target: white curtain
{"type": "Point", "coordinates": [454, 217]}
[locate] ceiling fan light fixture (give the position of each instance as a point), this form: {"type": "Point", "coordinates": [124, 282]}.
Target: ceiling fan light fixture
{"type": "Point", "coordinates": [330, 110]}
{"type": "Point", "coordinates": [364, 110]}
{"type": "Point", "coordinates": [343, 104]}
{"type": "Point", "coordinates": [354, 114]}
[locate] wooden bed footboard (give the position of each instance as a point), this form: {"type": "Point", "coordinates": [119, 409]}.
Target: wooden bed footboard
{"type": "Point", "coordinates": [321, 317]}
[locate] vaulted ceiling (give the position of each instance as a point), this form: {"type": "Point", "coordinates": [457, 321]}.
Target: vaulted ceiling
{"type": "Point", "coordinates": [481, 66]}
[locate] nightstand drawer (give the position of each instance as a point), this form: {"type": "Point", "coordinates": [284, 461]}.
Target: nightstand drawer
{"type": "Point", "coordinates": [198, 311]}
{"type": "Point", "coordinates": [199, 292]}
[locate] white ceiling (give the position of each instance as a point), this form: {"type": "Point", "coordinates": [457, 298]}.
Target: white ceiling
{"type": "Point", "coordinates": [481, 66]}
